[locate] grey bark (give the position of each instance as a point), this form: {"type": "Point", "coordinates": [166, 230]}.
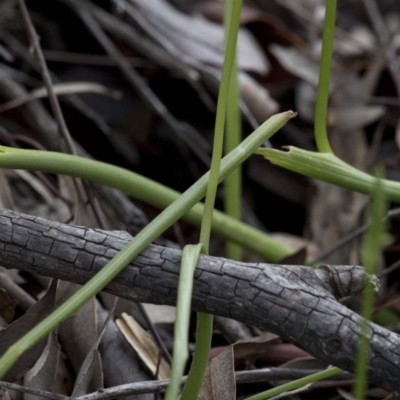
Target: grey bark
{"type": "Point", "coordinates": [296, 302]}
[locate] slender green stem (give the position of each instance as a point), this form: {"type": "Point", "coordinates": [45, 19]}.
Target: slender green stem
{"type": "Point", "coordinates": [321, 107]}
{"type": "Point", "coordinates": [296, 384]}
{"type": "Point", "coordinates": [329, 168]}
{"type": "Point", "coordinates": [375, 238]}
{"type": "Point", "coordinates": [100, 172]}
{"type": "Point", "coordinates": [204, 330]}
{"type": "Point", "coordinates": [233, 183]}
{"type": "Point", "coordinates": [190, 255]}
{"type": "Point", "coordinates": [204, 321]}
{"type": "Point", "coordinates": [220, 123]}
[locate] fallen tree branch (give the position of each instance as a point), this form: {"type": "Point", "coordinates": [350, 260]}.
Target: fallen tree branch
{"type": "Point", "coordinates": [296, 302]}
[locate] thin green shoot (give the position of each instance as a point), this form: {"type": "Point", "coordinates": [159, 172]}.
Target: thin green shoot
{"type": "Point", "coordinates": [233, 183]}
{"type": "Point", "coordinates": [190, 255]}
{"type": "Point", "coordinates": [220, 123]}
{"type": "Point", "coordinates": [298, 383]}
{"type": "Point", "coordinates": [321, 107]}
{"type": "Point", "coordinates": [374, 240]}
{"type": "Point", "coordinates": [204, 321]}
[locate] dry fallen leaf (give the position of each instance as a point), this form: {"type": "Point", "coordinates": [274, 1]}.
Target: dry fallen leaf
{"type": "Point", "coordinates": [219, 381]}
{"type": "Point", "coordinates": [90, 378]}
{"type": "Point", "coordinates": [350, 119]}
{"type": "Point", "coordinates": [121, 364]}
{"type": "Point", "coordinates": [160, 314]}
{"type": "Point", "coordinates": [200, 39]}
{"type": "Point", "coordinates": [23, 325]}
{"type": "Point", "coordinates": [79, 332]}
{"type": "Point", "coordinates": [144, 345]}
{"type": "Point", "coordinates": [43, 374]}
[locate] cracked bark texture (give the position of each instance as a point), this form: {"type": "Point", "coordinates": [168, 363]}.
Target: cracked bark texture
{"type": "Point", "coordinates": [296, 302]}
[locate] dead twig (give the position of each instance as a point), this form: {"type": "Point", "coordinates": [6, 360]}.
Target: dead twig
{"type": "Point", "coordinates": [55, 105]}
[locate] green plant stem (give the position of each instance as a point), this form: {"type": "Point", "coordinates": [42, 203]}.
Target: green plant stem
{"type": "Point", "coordinates": [296, 384]}
{"type": "Point", "coordinates": [147, 191]}
{"type": "Point", "coordinates": [204, 321]}
{"type": "Point", "coordinates": [321, 107]}
{"type": "Point", "coordinates": [204, 330]}
{"type": "Point", "coordinates": [220, 124]}
{"type": "Point", "coordinates": [329, 168]}
{"type": "Point", "coordinates": [117, 177]}
{"type": "Point", "coordinates": [373, 242]}
{"type": "Point", "coordinates": [190, 255]}
{"type": "Point", "coordinates": [233, 183]}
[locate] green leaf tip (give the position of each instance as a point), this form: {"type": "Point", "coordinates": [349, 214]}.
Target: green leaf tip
{"type": "Point", "coordinates": [329, 168]}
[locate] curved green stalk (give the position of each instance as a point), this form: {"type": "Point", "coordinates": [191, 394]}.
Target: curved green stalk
{"type": "Point", "coordinates": [149, 191]}
{"type": "Point", "coordinates": [120, 178]}
{"type": "Point", "coordinates": [329, 168]}
{"type": "Point", "coordinates": [298, 383]}
{"type": "Point", "coordinates": [205, 321]}
{"type": "Point", "coordinates": [190, 255]}
{"type": "Point", "coordinates": [321, 107]}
